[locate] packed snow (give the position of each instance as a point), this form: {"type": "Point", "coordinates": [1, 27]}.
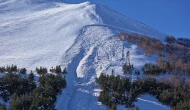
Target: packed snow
{"type": "Point", "coordinates": [82, 37]}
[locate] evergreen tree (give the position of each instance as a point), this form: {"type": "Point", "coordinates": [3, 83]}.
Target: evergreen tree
{"type": "Point", "coordinates": [41, 71]}
{"type": "Point", "coordinates": [31, 76]}
{"type": "Point", "coordinates": [2, 69]}
{"type": "Point", "coordinates": [65, 71]}
{"type": "Point", "coordinates": [58, 69]}
{"type": "Point", "coordinates": [23, 71]}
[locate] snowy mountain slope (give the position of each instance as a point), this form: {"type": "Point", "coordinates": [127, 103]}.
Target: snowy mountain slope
{"type": "Point", "coordinates": [41, 37]}
{"type": "Point", "coordinates": [81, 37]}
{"type": "Point", "coordinates": [96, 49]}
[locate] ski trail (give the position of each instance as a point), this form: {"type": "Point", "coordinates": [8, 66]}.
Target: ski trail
{"type": "Point", "coordinates": [153, 102]}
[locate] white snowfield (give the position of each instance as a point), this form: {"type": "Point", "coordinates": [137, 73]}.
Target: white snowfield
{"type": "Point", "coordinates": [82, 37]}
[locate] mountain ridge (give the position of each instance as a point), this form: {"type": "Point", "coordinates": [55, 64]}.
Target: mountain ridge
{"type": "Point", "coordinates": [98, 9]}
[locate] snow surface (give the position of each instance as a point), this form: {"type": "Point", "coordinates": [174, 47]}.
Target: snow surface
{"type": "Point", "coordinates": [82, 37]}
{"type": "Point", "coordinates": [147, 102]}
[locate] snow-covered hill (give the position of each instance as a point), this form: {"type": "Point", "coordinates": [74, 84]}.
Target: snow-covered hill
{"type": "Point", "coordinates": [81, 37]}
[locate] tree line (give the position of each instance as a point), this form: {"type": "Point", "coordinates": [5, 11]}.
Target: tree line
{"type": "Point", "coordinates": [173, 91]}
{"type": "Point", "coordinates": [23, 91]}
{"type": "Point", "coordinates": [173, 56]}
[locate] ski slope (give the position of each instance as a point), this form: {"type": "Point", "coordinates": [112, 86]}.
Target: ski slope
{"type": "Point", "coordinates": [82, 37]}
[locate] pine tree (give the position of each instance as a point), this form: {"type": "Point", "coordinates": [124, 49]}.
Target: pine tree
{"type": "Point", "coordinates": [65, 71]}
{"type": "Point", "coordinates": [41, 71]}
{"type": "Point", "coordinates": [23, 71]}
{"type": "Point", "coordinates": [58, 69]}
{"type": "Point", "coordinates": [31, 76]}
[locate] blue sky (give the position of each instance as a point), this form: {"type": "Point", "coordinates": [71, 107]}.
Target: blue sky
{"type": "Point", "coordinates": [169, 16]}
